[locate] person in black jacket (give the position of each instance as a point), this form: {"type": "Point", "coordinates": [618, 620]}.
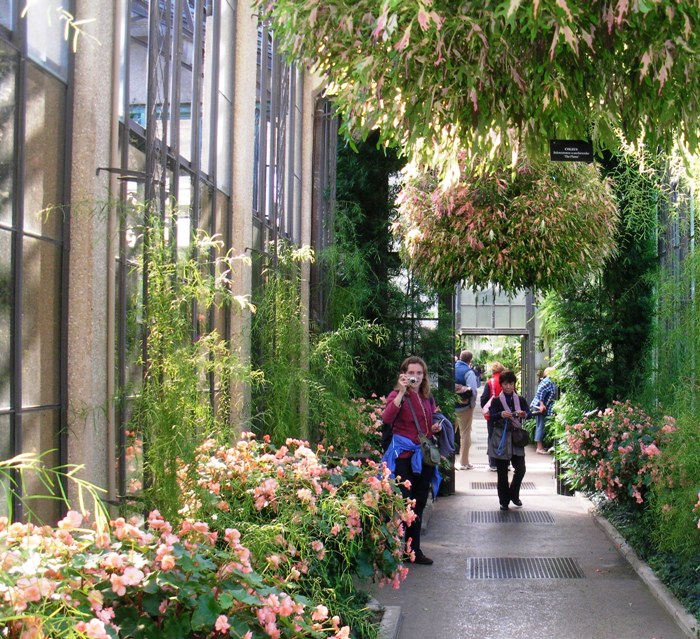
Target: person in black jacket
{"type": "Point", "coordinates": [506, 412]}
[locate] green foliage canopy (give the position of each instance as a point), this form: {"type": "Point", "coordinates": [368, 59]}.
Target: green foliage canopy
{"type": "Point", "coordinates": [437, 75]}
{"type": "Point", "coordinates": [548, 226]}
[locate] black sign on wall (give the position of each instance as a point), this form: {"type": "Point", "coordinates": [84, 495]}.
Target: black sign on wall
{"type": "Point", "coordinates": [570, 151]}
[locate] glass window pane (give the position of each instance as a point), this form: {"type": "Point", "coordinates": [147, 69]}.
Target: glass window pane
{"type": "Point", "coordinates": [517, 316]}
{"type": "Point", "coordinates": [41, 322]}
{"type": "Point", "coordinates": [45, 36]}
{"type": "Point", "coordinates": [44, 144]}
{"type": "Point", "coordinates": [502, 317]}
{"type": "Point", "coordinates": [133, 457]}
{"type": "Point", "coordinates": [5, 316]}
{"type": "Point", "coordinates": [8, 71]}
{"type": "Point", "coordinates": [469, 316]}
{"type": "Point", "coordinates": [205, 203]}
{"type": "Point", "coordinates": [483, 316]}
{"type": "Point", "coordinates": [5, 453]}
{"type": "Point", "coordinates": [7, 13]}
{"type": "Point", "coordinates": [40, 436]}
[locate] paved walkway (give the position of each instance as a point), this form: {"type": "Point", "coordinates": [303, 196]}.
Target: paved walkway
{"type": "Point", "coordinates": [580, 586]}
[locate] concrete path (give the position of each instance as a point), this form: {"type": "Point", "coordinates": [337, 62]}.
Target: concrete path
{"type": "Point", "coordinates": [573, 583]}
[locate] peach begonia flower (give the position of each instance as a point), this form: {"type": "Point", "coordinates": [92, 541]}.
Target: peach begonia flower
{"type": "Point", "coordinates": [343, 633]}
{"type": "Point", "coordinates": [31, 628]}
{"type": "Point", "coordinates": [320, 613]}
{"type": "Point", "coordinates": [222, 625]}
{"type": "Point", "coordinates": [72, 520]}
{"type": "Point", "coordinates": [286, 607]}
{"type": "Point", "coordinates": [95, 629]}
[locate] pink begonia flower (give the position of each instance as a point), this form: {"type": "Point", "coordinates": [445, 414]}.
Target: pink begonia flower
{"type": "Point", "coordinates": [222, 624]}
{"type": "Point", "coordinates": [113, 560]}
{"type": "Point", "coordinates": [106, 614]}
{"type": "Point", "coordinates": [118, 585]}
{"type": "Point", "coordinates": [651, 450]}
{"type": "Point", "coordinates": [72, 520]}
{"type": "Point", "coordinates": [286, 607]}
{"type": "Point", "coordinates": [320, 613]}
{"type": "Point", "coordinates": [133, 576]}
{"type": "Point", "coordinates": [95, 629]}
{"type": "Point", "coordinates": [96, 599]}
{"type": "Point", "coordinates": [274, 560]}
{"type": "Point", "coordinates": [343, 633]}
{"type": "Point", "coordinates": [32, 629]}
{"type": "Point", "coordinates": [167, 562]}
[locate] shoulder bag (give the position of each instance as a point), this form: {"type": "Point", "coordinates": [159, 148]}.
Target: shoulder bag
{"type": "Point", "coordinates": [429, 449]}
{"type": "Point", "coordinates": [487, 406]}
{"type": "Point", "coordinates": [519, 436]}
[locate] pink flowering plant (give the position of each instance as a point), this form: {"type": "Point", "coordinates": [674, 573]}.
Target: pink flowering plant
{"type": "Point", "coordinates": [616, 452]}
{"type": "Point", "coordinates": [144, 579]}
{"type": "Point", "coordinates": [361, 429]}
{"type": "Point", "coordinates": [311, 526]}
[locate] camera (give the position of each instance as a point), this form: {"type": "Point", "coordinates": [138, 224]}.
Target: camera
{"type": "Point", "coordinates": [412, 380]}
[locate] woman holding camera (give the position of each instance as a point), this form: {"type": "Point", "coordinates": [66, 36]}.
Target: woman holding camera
{"type": "Point", "coordinates": [507, 412]}
{"type": "Point", "coordinates": [410, 407]}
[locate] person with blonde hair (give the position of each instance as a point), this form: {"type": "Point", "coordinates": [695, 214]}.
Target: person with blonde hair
{"type": "Point", "coordinates": [491, 389]}
{"type": "Point", "coordinates": [541, 406]}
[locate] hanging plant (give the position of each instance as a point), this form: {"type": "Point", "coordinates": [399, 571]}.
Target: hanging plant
{"type": "Point", "coordinates": [541, 227]}
{"type": "Point", "coordinates": [438, 75]}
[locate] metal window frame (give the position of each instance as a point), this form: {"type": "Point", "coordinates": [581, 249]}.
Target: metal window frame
{"type": "Point", "coordinates": [18, 41]}
{"type": "Point", "coordinates": [170, 21]}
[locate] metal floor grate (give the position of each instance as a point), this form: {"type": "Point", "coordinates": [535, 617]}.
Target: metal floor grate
{"type": "Point", "coordinates": [523, 568]}
{"type": "Point", "coordinates": [492, 485]}
{"type": "Point", "coordinates": [510, 517]}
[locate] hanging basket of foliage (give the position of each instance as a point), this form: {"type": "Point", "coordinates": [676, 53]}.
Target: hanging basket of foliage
{"type": "Point", "coordinates": [540, 226]}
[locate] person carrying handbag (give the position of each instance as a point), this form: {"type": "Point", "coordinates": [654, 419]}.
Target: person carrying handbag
{"type": "Point", "coordinates": [410, 409]}
{"type": "Point", "coordinates": [491, 389]}
{"type": "Point", "coordinates": [506, 414]}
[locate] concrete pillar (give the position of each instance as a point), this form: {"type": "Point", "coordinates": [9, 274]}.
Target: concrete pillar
{"type": "Point", "coordinates": [88, 344]}
{"type": "Point", "coordinates": [245, 69]}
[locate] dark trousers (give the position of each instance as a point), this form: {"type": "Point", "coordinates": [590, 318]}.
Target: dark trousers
{"type": "Point", "coordinates": [507, 492]}
{"type": "Point", "coordinates": [420, 489]}
{"type": "Point", "coordinates": [489, 430]}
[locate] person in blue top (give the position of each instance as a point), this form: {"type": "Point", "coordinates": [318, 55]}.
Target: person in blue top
{"type": "Point", "coordinates": [541, 406]}
{"type": "Point", "coordinates": [466, 387]}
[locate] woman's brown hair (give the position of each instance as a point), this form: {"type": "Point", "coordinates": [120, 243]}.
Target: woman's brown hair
{"type": "Point", "coordinates": [424, 388]}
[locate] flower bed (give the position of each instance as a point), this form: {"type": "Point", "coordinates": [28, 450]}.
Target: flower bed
{"type": "Point", "coordinates": [614, 452]}
{"type": "Point", "coordinates": [271, 544]}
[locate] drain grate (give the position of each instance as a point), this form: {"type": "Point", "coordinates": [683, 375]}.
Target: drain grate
{"type": "Point", "coordinates": [511, 517]}
{"type": "Point", "coordinates": [523, 568]}
{"type": "Point", "coordinates": [492, 485]}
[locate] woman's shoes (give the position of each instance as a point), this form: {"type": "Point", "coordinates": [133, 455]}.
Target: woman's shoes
{"type": "Point", "coordinates": [423, 559]}
{"type": "Point", "coordinates": [542, 451]}
{"type": "Point", "coordinates": [517, 503]}
{"type": "Point", "coordinates": [504, 507]}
